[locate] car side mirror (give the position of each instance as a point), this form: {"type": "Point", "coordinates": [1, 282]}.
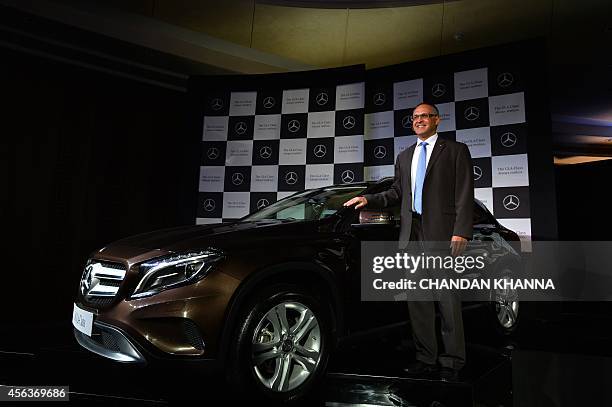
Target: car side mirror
{"type": "Point", "coordinates": [374, 219]}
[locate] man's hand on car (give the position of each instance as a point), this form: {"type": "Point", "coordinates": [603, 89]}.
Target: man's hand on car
{"type": "Point", "coordinates": [359, 200]}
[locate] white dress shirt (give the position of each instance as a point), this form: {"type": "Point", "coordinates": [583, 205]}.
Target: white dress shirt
{"type": "Point", "coordinates": [431, 141]}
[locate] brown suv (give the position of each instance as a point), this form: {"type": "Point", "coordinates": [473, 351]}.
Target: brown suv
{"type": "Point", "coordinates": [266, 298]}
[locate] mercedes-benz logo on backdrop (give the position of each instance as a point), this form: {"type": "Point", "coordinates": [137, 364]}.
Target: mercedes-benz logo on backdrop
{"type": "Point", "coordinates": [320, 150]}
{"type": "Point", "coordinates": [380, 99]}
{"type": "Point", "coordinates": [240, 128]}
{"type": "Point", "coordinates": [380, 152]}
{"type": "Point", "coordinates": [347, 176]}
{"type": "Point", "coordinates": [213, 153]}
{"type": "Point", "coordinates": [293, 126]}
{"type": "Point", "coordinates": [406, 122]}
{"type": "Point", "coordinates": [269, 102]}
{"type": "Point", "coordinates": [511, 202]}
{"type": "Point", "coordinates": [216, 104]}
{"type": "Point", "coordinates": [471, 113]}
{"type": "Point", "coordinates": [237, 178]}
{"type": "Point", "coordinates": [438, 90]}
{"type": "Point", "coordinates": [348, 122]}
{"type": "Point", "coordinates": [262, 203]}
{"type": "Point", "coordinates": [209, 205]}
{"type": "Point", "coordinates": [477, 173]}
{"type": "Point", "coordinates": [291, 178]}
{"type": "Point", "coordinates": [508, 139]}
{"type": "Point", "coordinates": [322, 98]}
{"type": "Point", "coordinates": [265, 152]}
{"type": "Point", "coordinates": [505, 79]}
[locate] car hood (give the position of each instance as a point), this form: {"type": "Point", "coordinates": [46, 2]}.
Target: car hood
{"type": "Point", "coordinates": [225, 236]}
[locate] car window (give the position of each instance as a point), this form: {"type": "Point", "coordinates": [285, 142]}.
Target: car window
{"type": "Point", "coordinates": [308, 205]}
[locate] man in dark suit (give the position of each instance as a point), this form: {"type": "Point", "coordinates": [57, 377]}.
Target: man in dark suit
{"type": "Point", "coordinates": [434, 186]}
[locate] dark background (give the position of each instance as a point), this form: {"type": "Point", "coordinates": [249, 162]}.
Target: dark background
{"type": "Point", "coordinates": [89, 158]}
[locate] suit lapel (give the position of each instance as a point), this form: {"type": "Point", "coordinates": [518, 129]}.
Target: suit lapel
{"type": "Point", "coordinates": [409, 156]}
{"type": "Point", "coordinates": [438, 147]}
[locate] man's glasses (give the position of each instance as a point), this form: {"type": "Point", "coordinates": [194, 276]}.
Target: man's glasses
{"type": "Point", "coordinates": [423, 116]}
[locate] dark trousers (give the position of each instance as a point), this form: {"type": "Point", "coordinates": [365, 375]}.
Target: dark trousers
{"type": "Point", "coordinates": [423, 321]}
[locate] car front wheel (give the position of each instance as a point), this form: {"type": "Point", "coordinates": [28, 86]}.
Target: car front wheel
{"type": "Point", "coordinates": [282, 344]}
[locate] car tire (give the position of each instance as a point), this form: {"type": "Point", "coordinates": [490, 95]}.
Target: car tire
{"type": "Point", "coordinates": [281, 358]}
{"type": "Point", "coordinates": [504, 307]}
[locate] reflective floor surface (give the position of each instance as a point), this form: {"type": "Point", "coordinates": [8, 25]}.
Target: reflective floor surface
{"type": "Point", "coordinates": [556, 358]}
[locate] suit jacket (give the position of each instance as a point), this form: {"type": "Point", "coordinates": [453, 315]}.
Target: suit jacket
{"type": "Point", "coordinates": [448, 193]}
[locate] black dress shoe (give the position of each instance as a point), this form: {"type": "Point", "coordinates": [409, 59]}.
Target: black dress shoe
{"type": "Point", "coordinates": [419, 368]}
{"type": "Point", "coordinates": [448, 374]}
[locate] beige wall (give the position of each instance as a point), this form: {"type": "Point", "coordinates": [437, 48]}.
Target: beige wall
{"type": "Point", "coordinates": [377, 37]}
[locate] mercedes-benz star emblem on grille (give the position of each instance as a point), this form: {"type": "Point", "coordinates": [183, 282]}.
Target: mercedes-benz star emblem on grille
{"type": "Point", "coordinates": [209, 205]}
{"type": "Point", "coordinates": [438, 90]}
{"type": "Point", "coordinates": [265, 152]}
{"type": "Point", "coordinates": [505, 79]}
{"type": "Point", "coordinates": [86, 280]}
{"type": "Point", "coordinates": [262, 203]}
{"type": "Point", "coordinates": [213, 153]}
{"type": "Point", "coordinates": [508, 139]}
{"type": "Point", "coordinates": [477, 173]}
{"type": "Point", "coordinates": [380, 99]}
{"type": "Point", "coordinates": [291, 178]}
{"type": "Point", "coordinates": [320, 150]}
{"type": "Point", "coordinates": [511, 202]}
{"type": "Point", "coordinates": [237, 178]}
{"type": "Point", "coordinates": [216, 104]}
{"type": "Point", "coordinates": [347, 176]}
{"type": "Point", "coordinates": [269, 102]}
{"type": "Point", "coordinates": [240, 128]}
{"type": "Point", "coordinates": [348, 122]}
{"type": "Point", "coordinates": [472, 113]}
{"type": "Point", "coordinates": [293, 126]}
{"type": "Point", "coordinates": [322, 98]}
{"type": "Point", "coordinates": [380, 152]}
{"type": "Point", "coordinates": [406, 122]}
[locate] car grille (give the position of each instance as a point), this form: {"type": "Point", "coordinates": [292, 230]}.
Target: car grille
{"type": "Point", "coordinates": [100, 282]}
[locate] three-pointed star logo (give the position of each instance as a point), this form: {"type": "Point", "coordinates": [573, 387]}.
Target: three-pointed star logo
{"type": "Point", "coordinates": [508, 139]}
{"type": "Point", "coordinates": [87, 280]}
{"type": "Point", "coordinates": [237, 178]}
{"type": "Point", "coordinates": [209, 205]}
{"type": "Point", "coordinates": [348, 122]}
{"type": "Point", "coordinates": [262, 203]}
{"type": "Point", "coordinates": [216, 104]}
{"type": "Point", "coordinates": [213, 153]}
{"type": "Point", "coordinates": [347, 176]}
{"type": "Point", "coordinates": [291, 178]}
{"type": "Point", "coordinates": [477, 173]}
{"type": "Point", "coordinates": [320, 150]}
{"type": "Point", "coordinates": [511, 202]}
{"type": "Point", "coordinates": [380, 99]}
{"type": "Point", "coordinates": [471, 113]}
{"type": "Point", "coordinates": [322, 98]}
{"type": "Point", "coordinates": [380, 152]}
{"type": "Point", "coordinates": [293, 126]}
{"type": "Point", "coordinates": [265, 152]}
{"type": "Point", "coordinates": [240, 128]}
{"type": "Point", "coordinates": [505, 79]}
{"type": "Point", "coordinates": [407, 122]}
{"type": "Point", "coordinates": [438, 89]}
{"type": "Point", "coordinates": [269, 102]}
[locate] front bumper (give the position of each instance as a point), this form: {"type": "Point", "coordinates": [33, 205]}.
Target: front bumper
{"type": "Point", "coordinates": [110, 342]}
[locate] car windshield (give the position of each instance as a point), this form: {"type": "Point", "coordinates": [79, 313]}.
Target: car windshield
{"type": "Point", "coordinates": [308, 205]}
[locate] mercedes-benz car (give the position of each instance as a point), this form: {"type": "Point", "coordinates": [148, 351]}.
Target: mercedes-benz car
{"type": "Point", "coordinates": [265, 298]}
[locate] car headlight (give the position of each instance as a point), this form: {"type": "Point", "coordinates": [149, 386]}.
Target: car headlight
{"type": "Point", "coordinates": [169, 272]}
